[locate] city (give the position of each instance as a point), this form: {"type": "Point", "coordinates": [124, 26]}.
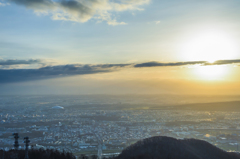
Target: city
{"type": "Point", "coordinates": [88, 127]}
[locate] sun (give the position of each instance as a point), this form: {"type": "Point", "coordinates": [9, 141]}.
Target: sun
{"type": "Point", "coordinates": [209, 45]}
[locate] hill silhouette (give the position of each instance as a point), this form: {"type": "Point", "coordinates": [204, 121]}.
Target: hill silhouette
{"type": "Point", "coordinates": [161, 147]}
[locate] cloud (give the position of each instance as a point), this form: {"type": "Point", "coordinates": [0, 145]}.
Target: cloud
{"type": "Point", "coordinates": [224, 62]}
{"type": "Point", "coordinates": [19, 62]}
{"type": "Point", "coordinates": [82, 10]}
{"type": "Point", "coordinates": [158, 64]}
{"type": "Point", "coordinates": [3, 4]}
{"type": "Point", "coordinates": [20, 75]}
{"type": "Point", "coordinates": [111, 65]}
{"type": "Point", "coordinates": [155, 64]}
{"type": "Point", "coordinates": [47, 72]}
{"type": "Point", "coordinates": [157, 22]}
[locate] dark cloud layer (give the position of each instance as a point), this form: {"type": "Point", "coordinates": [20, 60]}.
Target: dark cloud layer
{"type": "Point", "coordinates": [19, 62]}
{"type": "Point", "coordinates": [158, 64]}
{"type": "Point", "coordinates": [19, 75]}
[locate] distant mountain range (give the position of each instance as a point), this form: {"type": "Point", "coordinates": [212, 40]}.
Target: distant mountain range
{"type": "Point", "coordinates": [162, 147]}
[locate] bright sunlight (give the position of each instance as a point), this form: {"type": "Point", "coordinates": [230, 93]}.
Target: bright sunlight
{"type": "Point", "coordinates": [212, 72]}
{"type": "Point", "coordinates": [209, 46]}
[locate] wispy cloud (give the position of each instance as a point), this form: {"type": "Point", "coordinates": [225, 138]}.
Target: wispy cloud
{"type": "Point", "coordinates": [19, 62]}
{"type": "Point", "coordinates": [158, 64]}
{"type": "Point", "coordinates": [3, 4]}
{"type": "Point", "coordinates": [82, 10]}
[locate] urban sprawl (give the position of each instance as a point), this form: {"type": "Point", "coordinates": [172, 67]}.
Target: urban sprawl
{"type": "Point", "coordinates": [64, 125]}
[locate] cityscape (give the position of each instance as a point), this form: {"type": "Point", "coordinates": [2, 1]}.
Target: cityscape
{"type": "Point", "coordinates": [81, 125]}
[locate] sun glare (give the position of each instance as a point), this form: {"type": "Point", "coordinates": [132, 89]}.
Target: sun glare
{"type": "Point", "coordinates": [212, 72]}
{"type": "Point", "coordinates": [209, 46]}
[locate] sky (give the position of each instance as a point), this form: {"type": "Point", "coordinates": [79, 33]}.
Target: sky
{"type": "Point", "coordinates": [120, 47]}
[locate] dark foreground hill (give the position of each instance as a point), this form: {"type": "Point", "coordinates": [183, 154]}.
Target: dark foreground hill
{"type": "Point", "coordinates": [170, 148]}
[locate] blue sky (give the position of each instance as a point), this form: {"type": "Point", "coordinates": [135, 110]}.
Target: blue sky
{"type": "Point", "coordinates": [93, 32]}
{"type": "Point", "coordinates": [25, 34]}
